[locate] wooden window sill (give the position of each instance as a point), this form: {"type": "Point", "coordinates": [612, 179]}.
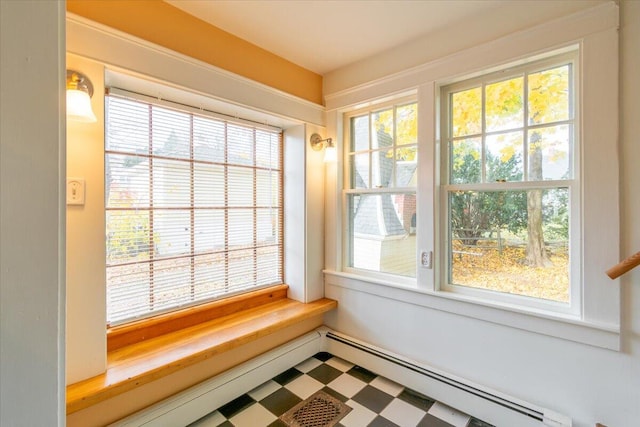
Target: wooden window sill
{"type": "Point", "coordinates": [140, 363]}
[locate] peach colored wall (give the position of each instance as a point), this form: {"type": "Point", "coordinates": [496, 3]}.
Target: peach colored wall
{"type": "Point", "coordinates": [160, 23]}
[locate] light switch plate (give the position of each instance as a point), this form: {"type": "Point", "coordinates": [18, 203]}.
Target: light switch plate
{"type": "Point", "coordinates": [75, 191]}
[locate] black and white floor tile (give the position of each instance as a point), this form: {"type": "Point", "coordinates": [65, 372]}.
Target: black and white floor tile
{"type": "Point", "coordinates": [375, 400]}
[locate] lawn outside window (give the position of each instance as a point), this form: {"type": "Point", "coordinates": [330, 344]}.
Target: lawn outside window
{"type": "Point", "coordinates": [193, 208]}
{"type": "Point", "coordinates": [510, 192]}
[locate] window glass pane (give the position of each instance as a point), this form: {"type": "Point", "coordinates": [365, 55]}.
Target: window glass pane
{"type": "Point", "coordinates": [382, 233]}
{"type": "Point", "coordinates": [504, 157]}
{"type": "Point", "coordinates": [360, 133]}
{"type": "Point", "coordinates": [242, 269]}
{"type": "Point", "coordinates": [127, 182]}
{"type": "Point", "coordinates": [240, 228]}
{"type": "Point", "coordinates": [171, 183]}
{"type": "Point", "coordinates": [407, 124]}
{"type": "Point", "coordinates": [511, 241]}
{"type": "Point", "coordinates": [549, 95]}
{"type": "Point", "coordinates": [240, 186]}
{"type": "Point", "coordinates": [170, 131]}
{"type": "Point", "coordinates": [466, 160]}
{"type": "Point", "coordinates": [504, 103]}
{"type": "Point", "coordinates": [359, 166]}
{"type": "Point", "coordinates": [466, 112]}
{"type": "Point", "coordinates": [171, 233]}
{"type": "Point", "coordinates": [127, 126]}
{"type": "Point", "coordinates": [406, 167]}
{"type": "Point", "coordinates": [549, 151]}
{"type": "Point", "coordinates": [208, 185]}
{"type": "Point", "coordinates": [128, 291]}
{"type": "Point", "coordinates": [382, 129]}
{"type": "Point", "coordinates": [267, 226]}
{"type": "Point", "coordinates": [128, 236]}
{"type": "Point", "coordinates": [209, 275]}
{"type": "Point", "coordinates": [171, 286]}
{"type": "Point", "coordinates": [209, 231]}
{"type": "Point", "coordinates": [239, 145]}
{"type": "Point", "coordinates": [267, 188]}
{"type": "Point", "coordinates": [267, 155]}
{"type": "Point", "coordinates": [381, 168]}
{"type": "Point", "coordinates": [208, 139]}
{"type": "Point", "coordinates": [267, 263]}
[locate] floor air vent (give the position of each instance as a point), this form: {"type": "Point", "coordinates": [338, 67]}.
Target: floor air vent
{"type": "Point", "coordinates": [318, 410]}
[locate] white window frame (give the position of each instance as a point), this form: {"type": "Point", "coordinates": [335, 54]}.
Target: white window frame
{"type": "Point", "coordinates": [573, 185]}
{"type": "Point", "coordinates": [347, 190]}
{"type": "Point", "coordinates": [595, 33]}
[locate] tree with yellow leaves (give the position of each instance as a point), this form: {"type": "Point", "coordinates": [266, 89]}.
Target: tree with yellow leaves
{"type": "Point", "coordinates": [508, 131]}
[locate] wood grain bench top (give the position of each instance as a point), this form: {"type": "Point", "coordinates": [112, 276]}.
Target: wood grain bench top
{"type": "Point", "coordinates": [139, 363]}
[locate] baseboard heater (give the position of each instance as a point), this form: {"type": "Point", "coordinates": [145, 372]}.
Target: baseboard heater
{"type": "Point", "coordinates": [483, 403]}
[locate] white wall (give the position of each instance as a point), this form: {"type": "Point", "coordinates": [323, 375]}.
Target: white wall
{"type": "Point", "coordinates": [304, 214]}
{"type": "Point", "coordinates": [86, 340]}
{"type": "Point", "coordinates": [587, 383]}
{"type": "Point", "coordinates": [491, 24]}
{"type": "Point", "coordinates": [32, 213]}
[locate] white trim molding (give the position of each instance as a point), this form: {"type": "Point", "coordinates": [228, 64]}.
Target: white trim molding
{"type": "Point", "coordinates": [550, 324]}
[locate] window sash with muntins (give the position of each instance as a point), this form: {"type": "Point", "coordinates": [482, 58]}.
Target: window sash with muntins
{"type": "Point", "coordinates": [380, 190]}
{"type": "Point", "coordinates": [525, 131]}
{"type": "Point", "coordinates": [194, 208]}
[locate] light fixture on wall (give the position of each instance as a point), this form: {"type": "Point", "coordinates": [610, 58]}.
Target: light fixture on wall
{"type": "Point", "coordinates": [79, 92]}
{"type": "Point", "coordinates": [317, 143]}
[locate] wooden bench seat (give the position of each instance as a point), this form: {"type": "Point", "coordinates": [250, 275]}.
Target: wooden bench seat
{"type": "Point", "coordinates": [132, 365]}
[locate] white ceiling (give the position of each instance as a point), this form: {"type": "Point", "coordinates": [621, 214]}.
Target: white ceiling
{"type": "Point", "coordinates": [325, 35]}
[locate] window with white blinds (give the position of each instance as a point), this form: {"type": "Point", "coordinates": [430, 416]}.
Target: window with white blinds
{"type": "Point", "coordinates": [193, 208]}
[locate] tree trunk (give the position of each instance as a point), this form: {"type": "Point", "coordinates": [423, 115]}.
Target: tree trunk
{"type": "Point", "coordinates": [536, 254]}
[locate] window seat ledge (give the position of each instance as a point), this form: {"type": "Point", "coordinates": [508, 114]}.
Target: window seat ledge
{"type": "Point", "coordinates": [141, 363]}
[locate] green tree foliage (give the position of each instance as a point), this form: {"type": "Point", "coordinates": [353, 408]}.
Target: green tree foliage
{"type": "Point", "coordinates": [473, 213]}
{"type": "Point", "coordinates": [128, 231]}
{"type": "Point", "coordinates": [498, 107]}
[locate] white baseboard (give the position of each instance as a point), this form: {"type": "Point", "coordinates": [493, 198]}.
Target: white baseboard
{"type": "Point", "coordinates": [483, 403]}
{"type": "Point", "coordinates": [196, 402]}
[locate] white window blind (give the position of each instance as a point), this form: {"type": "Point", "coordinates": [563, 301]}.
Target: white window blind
{"type": "Point", "coordinates": [193, 208]}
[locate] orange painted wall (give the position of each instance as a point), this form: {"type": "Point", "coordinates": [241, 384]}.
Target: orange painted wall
{"type": "Point", "coordinates": [160, 23]}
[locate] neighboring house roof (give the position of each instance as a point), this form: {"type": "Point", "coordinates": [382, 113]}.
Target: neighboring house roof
{"type": "Point", "coordinates": [376, 214]}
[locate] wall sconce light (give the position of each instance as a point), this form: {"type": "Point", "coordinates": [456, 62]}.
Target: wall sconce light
{"type": "Point", "coordinates": [79, 92]}
{"type": "Point", "coordinates": [317, 144]}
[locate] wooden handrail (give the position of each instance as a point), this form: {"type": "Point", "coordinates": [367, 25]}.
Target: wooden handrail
{"type": "Point", "coordinates": [624, 266]}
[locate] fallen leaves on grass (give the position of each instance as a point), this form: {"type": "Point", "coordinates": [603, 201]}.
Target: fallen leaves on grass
{"type": "Point", "coordinates": [485, 267]}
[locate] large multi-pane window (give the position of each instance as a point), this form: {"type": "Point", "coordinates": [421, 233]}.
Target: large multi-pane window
{"type": "Point", "coordinates": [510, 183]}
{"type": "Point", "coordinates": [380, 189]}
{"type": "Point", "coordinates": [193, 208]}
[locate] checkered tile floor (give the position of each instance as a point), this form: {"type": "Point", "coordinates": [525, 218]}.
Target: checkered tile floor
{"type": "Point", "coordinates": [376, 401]}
